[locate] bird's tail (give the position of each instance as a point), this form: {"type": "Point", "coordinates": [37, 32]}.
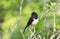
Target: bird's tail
{"type": "Point", "coordinates": [25, 29]}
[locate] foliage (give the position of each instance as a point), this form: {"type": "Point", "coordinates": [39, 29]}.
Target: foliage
{"type": "Point", "coordinates": [10, 19]}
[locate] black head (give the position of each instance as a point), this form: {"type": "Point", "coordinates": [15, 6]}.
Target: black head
{"type": "Point", "coordinates": [34, 15]}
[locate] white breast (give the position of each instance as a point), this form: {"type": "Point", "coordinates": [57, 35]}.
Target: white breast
{"type": "Point", "coordinates": [35, 22]}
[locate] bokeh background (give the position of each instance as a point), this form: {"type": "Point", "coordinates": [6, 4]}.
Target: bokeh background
{"type": "Point", "coordinates": [14, 15]}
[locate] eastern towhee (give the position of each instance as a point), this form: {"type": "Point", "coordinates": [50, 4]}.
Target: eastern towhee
{"type": "Point", "coordinates": [32, 21]}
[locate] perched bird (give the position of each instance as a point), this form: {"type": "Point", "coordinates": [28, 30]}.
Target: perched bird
{"type": "Point", "coordinates": [32, 21]}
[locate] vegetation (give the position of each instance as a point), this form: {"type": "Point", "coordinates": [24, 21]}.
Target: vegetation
{"type": "Point", "coordinates": [14, 15]}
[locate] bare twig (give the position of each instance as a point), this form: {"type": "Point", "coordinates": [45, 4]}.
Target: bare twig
{"type": "Point", "coordinates": [54, 34]}
{"type": "Point", "coordinates": [43, 37]}
{"type": "Point", "coordinates": [21, 3]}
{"type": "Point", "coordinates": [21, 13]}
{"type": "Point", "coordinates": [54, 25]}
{"type": "Point", "coordinates": [31, 34]}
{"type": "Point", "coordinates": [46, 12]}
{"type": "Point", "coordinates": [58, 36]}
{"type": "Point", "coordinates": [22, 33]}
{"type": "Point", "coordinates": [39, 37]}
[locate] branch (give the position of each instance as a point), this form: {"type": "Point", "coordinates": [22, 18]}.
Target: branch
{"type": "Point", "coordinates": [32, 35]}
{"type": "Point", "coordinates": [58, 36]}
{"type": "Point", "coordinates": [54, 34]}
{"type": "Point", "coordinates": [39, 37]}
{"type": "Point", "coordinates": [46, 12]}
{"type": "Point", "coordinates": [50, 10]}
{"type": "Point", "coordinates": [22, 33]}
{"type": "Point", "coordinates": [21, 12]}
{"type": "Point", "coordinates": [21, 3]}
{"type": "Point", "coordinates": [54, 25]}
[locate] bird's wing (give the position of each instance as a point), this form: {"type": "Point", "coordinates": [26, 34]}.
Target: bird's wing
{"type": "Point", "coordinates": [30, 21]}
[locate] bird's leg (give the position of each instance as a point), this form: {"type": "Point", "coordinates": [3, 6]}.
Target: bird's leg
{"type": "Point", "coordinates": [33, 28]}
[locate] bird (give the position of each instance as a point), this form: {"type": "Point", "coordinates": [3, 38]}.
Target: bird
{"type": "Point", "coordinates": [33, 20]}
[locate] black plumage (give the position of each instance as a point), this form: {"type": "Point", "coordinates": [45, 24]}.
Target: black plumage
{"type": "Point", "coordinates": [33, 16]}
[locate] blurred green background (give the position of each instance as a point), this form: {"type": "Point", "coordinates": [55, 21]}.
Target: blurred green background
{"type": "Point", "coordinates": [10, 17]}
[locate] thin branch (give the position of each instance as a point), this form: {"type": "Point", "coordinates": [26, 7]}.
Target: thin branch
{"type": "Point", "coordinates": [31, 34]}
{"type": "Point", "coordinates": [58, 36]}
{"type": "Point", "coordinates": [21, 13]}
{"type": "Point", "coordinates": [43, 37]}
{"type": "Point", "coordinates": [54, 25]}
{"type": "Point", "coordinates": [21, 3]}
{"type": "Point", "coordinates": [44, 13]}
{"type": "Point", "coordinates": [39, 37]}
{"type": "Point", "coordinates": [54, 34]}
{"type": "Point", "coordinates": [22, 33]}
